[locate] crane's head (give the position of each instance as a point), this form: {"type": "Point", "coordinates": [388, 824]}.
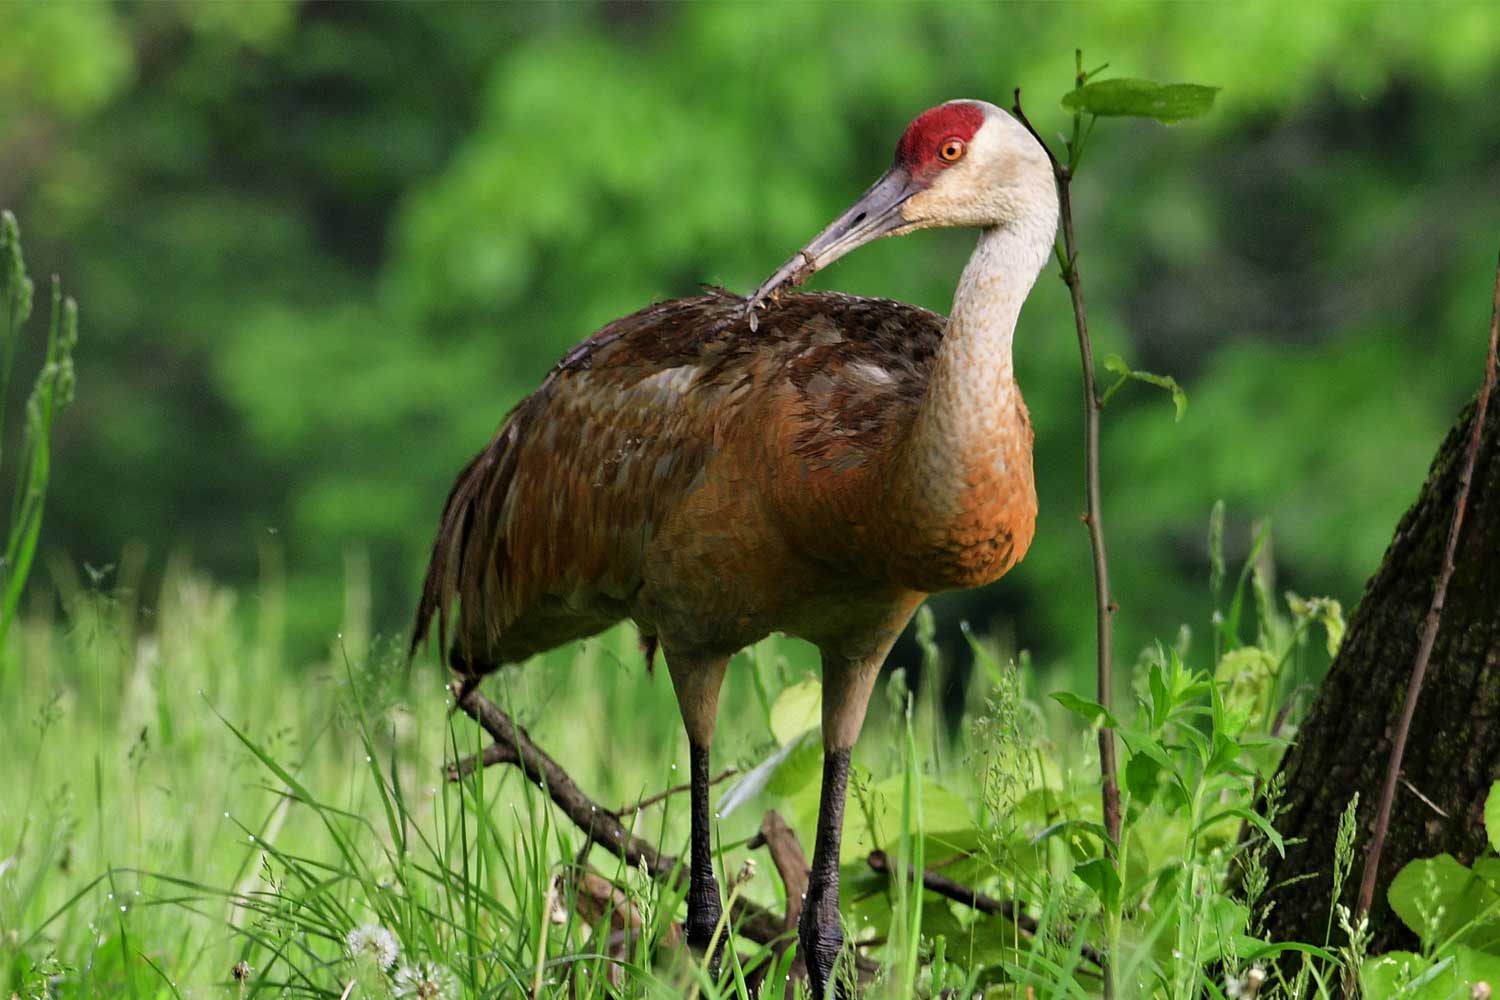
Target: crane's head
{"type": "Point", "coordinates": [963, 164]}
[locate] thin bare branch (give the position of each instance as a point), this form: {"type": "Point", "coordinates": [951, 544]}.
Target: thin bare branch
{"type": "Point", "coordinates": [1434, 618]}
{"type": "Point", "coordinates": [495, 753]}
{"type": "Point", "coordinates": [661, 796]}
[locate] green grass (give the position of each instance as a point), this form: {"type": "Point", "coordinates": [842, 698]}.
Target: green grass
{"type": "Point", "coordinates": [180, 800]}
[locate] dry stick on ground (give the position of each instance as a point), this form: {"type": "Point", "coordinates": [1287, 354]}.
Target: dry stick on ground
{"type": "Point", "coordinates": [973, 898]}
{"type": "Point", "coordinates": [514, 746]}
{"type": "Point", "coordinates": [1094, 517]}
{"type": "Point", "coordinates": [1434, 616]}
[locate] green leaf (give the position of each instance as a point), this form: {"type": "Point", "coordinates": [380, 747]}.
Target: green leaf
{"type": "Point", "coordinates": [1090, 710]}
{"type": "Point", "coordinates": [1100, 875]}
{"type": "Point", "coordinates": [792, 767]}
{"type": "Point", "coordinates": [1386, 975]}
{"type": "Point", "coordinates": [1142, 776]}
{"type": "Point", "coordinates": [1161, 698]}
{"type": "Point", "coordinates": [1439, 898]}
{"type": "Point", "coordinates": [797, 709]}
{"type": "Point", "coordinates": [1255, 819]}
{"type": "Point", "coordinates": [1474, 966]}
{"type": "Point", "coordinates": [1095, 830]}
{"type": "Point", "coordinates": [946, 816]}
{"type": "Point", "coordinates": [1492, 816]}
{"type": "Point", "coordinates": [1226, 752]}
{"type": "Point", "coordinates": [1128, 98]}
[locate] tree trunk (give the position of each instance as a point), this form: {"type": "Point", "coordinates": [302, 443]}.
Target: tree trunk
{"type": "Point", "coordinates": [1453, 754]}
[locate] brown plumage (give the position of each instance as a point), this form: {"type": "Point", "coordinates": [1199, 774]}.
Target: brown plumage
{"type": "Point", "coordinates": [551, 533]}
{"type": "Point", "coordinates": [716, 473]}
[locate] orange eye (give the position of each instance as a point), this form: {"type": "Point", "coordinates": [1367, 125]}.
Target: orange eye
{"type": "Point", "coordinates": [951, 150]}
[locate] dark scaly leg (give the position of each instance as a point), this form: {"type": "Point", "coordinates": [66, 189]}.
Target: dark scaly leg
{"type": "Point", "coordinates": [704, 908]}
{"type": "Point", "coordinates": [847, 683]}
{"type": "Point", "coordinates": [697, 681]}
{"type": "Point", "coordinates": [819, 932]}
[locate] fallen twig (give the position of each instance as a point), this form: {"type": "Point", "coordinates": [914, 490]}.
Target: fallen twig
{"type": "Point", "coordinates": [973, 898]}
{"type": "Point", "coordinates": [1434, 616]}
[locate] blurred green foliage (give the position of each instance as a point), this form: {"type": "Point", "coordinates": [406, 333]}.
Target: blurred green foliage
{"type": "Point", "coordinates": [325, 247]}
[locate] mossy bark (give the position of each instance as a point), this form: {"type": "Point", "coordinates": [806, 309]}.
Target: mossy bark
{"type": "Point", "coordinates": [1453, 753]}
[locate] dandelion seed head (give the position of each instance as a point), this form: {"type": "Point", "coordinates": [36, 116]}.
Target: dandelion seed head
{"type": "Point", "coordinates": [373, 941]}
{"type": "Point", "coordinates": [426, 981]}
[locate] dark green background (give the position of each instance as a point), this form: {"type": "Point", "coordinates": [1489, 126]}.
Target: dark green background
{"type": "Point", "coordinates": [320, 249]}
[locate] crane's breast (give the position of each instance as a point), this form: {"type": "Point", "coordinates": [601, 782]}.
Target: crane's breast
{"type": "Point", "coordinates": [960, 518]}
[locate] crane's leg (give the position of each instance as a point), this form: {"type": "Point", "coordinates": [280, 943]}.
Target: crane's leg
{"type": "Point", "coordinates": [697, 681]}
{"type": "Point", "coordinates": [847, 683]}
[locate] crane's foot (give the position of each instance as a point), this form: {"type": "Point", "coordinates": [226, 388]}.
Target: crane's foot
{"type": "Point", "coordinates": [821, 940]}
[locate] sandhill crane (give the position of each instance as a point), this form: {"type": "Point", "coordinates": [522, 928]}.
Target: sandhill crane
{"type": "Point", "coordinates": [717, 468]}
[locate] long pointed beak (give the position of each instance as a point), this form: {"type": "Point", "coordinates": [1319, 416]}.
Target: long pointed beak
{"type": "Point", "coordinates": [877, 213]}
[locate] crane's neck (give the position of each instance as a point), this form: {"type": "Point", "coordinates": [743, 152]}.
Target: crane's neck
{"type": "Point", "coordinates": [972, 399]}
{"type": "Point", "coordinates": [960, 500]}
{"type": "Point", "coordinates": [972, 391]}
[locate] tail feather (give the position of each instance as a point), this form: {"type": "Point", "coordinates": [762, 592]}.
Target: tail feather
{"type": "Point", "coordinates": [464, 573]}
